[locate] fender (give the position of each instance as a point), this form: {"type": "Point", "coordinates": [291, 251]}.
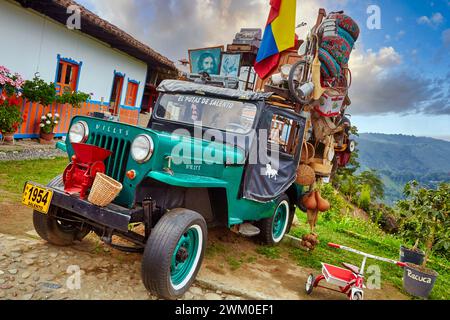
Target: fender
{"type": "Point", "coordinates": [61, 145]}
{"type": "Point", "coordinates": [187, 180]}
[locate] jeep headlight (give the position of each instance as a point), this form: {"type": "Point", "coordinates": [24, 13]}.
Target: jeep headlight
{"type": "Point", "coordinates": [79, 132]}
{"type": "Point", "coordinates": [142, 148]}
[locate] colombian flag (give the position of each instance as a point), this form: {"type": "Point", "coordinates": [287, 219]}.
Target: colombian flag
{"type": "Point", "coordinates": [279, 35]}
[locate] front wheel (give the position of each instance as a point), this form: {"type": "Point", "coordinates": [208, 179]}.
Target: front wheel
{"type": "Point", "coordinates": [57, 228]}
{"type": "Point", "coordinates": [174, 253]}
{"type": "Point", "coordinates": [309, 285]}
{"type": "Point", "coordinates": [274, 228]}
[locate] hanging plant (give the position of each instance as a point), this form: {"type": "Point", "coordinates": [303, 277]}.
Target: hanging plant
{"type": "Point", "coordinates": [37, 90]}
{"type": "Point", "coordinates": [75, 98]}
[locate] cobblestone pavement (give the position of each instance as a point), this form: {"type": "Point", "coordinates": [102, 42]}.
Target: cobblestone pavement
{"type": "Point", "coordinates": [28, 150]}
{"type": "Point", "coordinates": [33, 269]}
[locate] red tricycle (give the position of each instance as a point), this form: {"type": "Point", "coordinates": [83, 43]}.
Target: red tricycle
{"type": "Point", "coordinates": [349, 279]}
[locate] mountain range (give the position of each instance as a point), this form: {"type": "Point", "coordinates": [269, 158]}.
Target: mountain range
{"type": "Point", "coordinates": [399, 159]}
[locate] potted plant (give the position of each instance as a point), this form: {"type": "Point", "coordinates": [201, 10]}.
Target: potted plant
{"type": "Point", "coordinates": [10, 118]}
{"type": "Point", "coordinates": [425, 218]}
{"type": "Point", "coordinates": [10, 83]}
{"type": "Point", "coordinates": [47, 125]}
{"type": "Point", "coordinates": [413, 254]}
{"type": "Point", "coordinates": [37, 90]}
{"type": "Point", "coordinates": [74, 98]}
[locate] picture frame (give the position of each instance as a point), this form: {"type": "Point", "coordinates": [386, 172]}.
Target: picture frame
{"type": "Point", "coordinates": [230, 65]}
{"type": "Point", "coordinates": [206, 60]}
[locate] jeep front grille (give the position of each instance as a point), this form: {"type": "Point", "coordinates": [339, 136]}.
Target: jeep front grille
{"type": "Point", "coordinates": [115, 164]}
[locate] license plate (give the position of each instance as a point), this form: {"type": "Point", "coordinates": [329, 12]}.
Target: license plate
{"type": "Point", "coordinates": [37, 197]}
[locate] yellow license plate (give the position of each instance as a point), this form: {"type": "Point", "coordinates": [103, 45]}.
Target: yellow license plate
{"type": "Point", "coordinates": [37, 197]}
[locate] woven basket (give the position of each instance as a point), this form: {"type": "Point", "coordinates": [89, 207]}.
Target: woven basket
{"type": "Point", "coordinates": [321, 168]}
{"type": "Point", "coordinates": [308, 152]}
{"type": "Point", "coordinates": [104, 190]}
{"type": "Point", "coordinates": [305, 175]}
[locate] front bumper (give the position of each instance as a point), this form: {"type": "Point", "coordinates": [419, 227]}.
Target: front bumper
{"type": "Point", "coordinates": [112, 216]}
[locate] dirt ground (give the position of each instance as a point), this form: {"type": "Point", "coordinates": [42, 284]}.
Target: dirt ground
{"type": "Point", "coordinates": [232, 268]}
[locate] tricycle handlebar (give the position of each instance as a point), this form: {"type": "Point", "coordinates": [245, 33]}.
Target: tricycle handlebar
{"type": "Point", "coordinates": [334, 245]}
{"type": "Point", "coordinates": [367, 255]}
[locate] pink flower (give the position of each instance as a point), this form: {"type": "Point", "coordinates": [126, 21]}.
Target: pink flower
{"type": "Point", "coordinates": [3, 69]}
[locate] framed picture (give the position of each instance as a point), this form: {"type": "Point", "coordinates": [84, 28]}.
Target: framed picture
{"type": "Point", "coordinates": [230, 64]}
{"type": "Point", "coordinates": [206, 60]}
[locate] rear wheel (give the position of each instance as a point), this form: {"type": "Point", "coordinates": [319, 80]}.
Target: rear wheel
{"type": "Point", "coordinates": [356, 295]}
{"type": "Point", "coordinates": [274, 228]}
{"type": "Point", "coordinates": [174, 253]}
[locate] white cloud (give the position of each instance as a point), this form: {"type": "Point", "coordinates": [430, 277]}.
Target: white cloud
{"type": "Point", "coordinates": [382, 84]}
{"type": "Point", "coordinates": [435, 20]}
{"type": "Point", "coordinates": [400, 34]}
{"type": "Point", "coordinates": [446, 37]}
{"type": "Point", "coordinates": [171, 27]}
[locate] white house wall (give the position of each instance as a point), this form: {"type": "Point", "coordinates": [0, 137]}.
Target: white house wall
{"type": "Point", "coordinates": [31, 43]}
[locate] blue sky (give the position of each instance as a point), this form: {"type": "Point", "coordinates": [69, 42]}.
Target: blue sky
{"type": "Point", "coordinates": [401, 72]}
{"type": "Point", "coordinates": [419, 31]}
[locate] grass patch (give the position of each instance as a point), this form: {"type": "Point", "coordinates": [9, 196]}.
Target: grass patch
{"type": "Point", "coordinates": [367, 237]}
{"type": "Point", "coordinates": [269, 252]}
{"type": "Point", "coordinates": [234, 263]}
{"type": "Point", "coordinates": [13, 174]}
{"type": "Point", "coordinates": [214, 249]}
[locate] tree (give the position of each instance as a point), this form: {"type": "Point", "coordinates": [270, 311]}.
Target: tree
{"type": "Point", "coordinates": [348, 186]}
{"type": "Point", "coordinates": [425, 217]}
{"type": "Point", "coordinates": [373, 180]}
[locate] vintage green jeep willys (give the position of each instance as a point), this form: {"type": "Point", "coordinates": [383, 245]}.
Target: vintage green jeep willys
{"type": "Point", "coordinates": [210, 156]}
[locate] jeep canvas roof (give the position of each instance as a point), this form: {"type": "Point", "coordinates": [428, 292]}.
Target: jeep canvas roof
{"type": "Point", "coordinates": [178, 86]}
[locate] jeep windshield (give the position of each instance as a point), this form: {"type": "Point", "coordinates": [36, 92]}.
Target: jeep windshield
{"type": "Point", "coordinates": [226, 115]}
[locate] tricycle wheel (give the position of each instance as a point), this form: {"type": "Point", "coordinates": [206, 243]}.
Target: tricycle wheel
{"type": "Point", "coordinates": [309, 286]}
{"type": "Point", "coordinates": [174, 253]}
{"type": "Point", "coordinates": [274, 228]}
{"type": "Point", "coordinates": [356, 295]}
{"type": "Point", "coordinates": [57, 230]}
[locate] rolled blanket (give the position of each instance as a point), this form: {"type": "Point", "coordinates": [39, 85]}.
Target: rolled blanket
{"type": "Point", "coordinates": [346, 23]}
{"type": "Point", "coordinates": [338, 48]}
{"type": "Point", "coordinates": [331, 65]}
{"type": "Point", "coordinates": [344, 34]}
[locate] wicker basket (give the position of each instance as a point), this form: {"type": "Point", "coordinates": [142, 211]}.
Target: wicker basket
{"type": "Point", "coordinates": [308, 152]}
{"type": "Point", "coordinates": [104, 190]}
{"type": "Point", "coordinates": [321, 167]}
{"type": "Point", "coordinates": [305, 175]}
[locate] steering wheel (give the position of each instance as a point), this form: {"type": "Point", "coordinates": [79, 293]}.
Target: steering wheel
{"type": "Point", "coordinates": [239, 127]}
{"type": "Point", "coordinates": [297, 79]}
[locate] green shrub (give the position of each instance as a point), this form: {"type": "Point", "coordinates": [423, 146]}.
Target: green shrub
{"type": "Point", "coordinates": [75, 98]}
{"type": "Point", "coordinates": [337, 204]}
{"type": "Point", "coordinates": [364, 200]}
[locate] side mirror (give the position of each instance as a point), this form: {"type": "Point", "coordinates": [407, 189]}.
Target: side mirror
{"type": "Point", "coordinates": [302, 49]}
